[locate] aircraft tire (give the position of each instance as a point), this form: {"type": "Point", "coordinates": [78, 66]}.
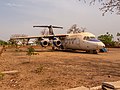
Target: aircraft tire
{"type": "Point", "coordinates": [95, 52]}
{"type": "Point", "coordinates": [92, 51]}
{"type": "Point", "coordinates": [53, 48]}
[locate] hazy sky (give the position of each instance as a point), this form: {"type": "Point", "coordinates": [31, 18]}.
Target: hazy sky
{"type": "Point", "coordinates": [18, 17]}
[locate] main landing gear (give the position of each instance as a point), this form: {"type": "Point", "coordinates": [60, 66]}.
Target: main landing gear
{"type": "Point", "coordinates": [92, 51]}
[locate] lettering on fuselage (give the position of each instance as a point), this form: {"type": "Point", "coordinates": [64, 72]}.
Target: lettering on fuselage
{"type": "Point", "coordinates": [72, 41]}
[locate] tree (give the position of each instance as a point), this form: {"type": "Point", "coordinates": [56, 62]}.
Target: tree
{"type": "Point", "coordinates": [3, 42]}
{"type": "Point", "coordinates": [75, 29]}
{"type": "Point", "coordinates": [44, 32]}
{"type": "Point", "coordinates": [30, 52]}
{"type": "Point", "coordinates": [107, 5]}
{"type": "Point", "coordinates": [107, 39]}
{"type": "Point", "coordinates": [18, 35]}
{"type": "Point", "coordinates": [118, 35]}
{"type": "Point", "coordinates": [16, 41]}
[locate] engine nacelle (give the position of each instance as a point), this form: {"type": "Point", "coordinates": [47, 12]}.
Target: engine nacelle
{"type": "Point", "coordinates": [57, 42]}
{"type": "Point", "coordinates": [44, 43]}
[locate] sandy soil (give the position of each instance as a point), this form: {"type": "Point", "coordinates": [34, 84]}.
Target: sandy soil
{"type": "Point", "coordinates": [56, 70]}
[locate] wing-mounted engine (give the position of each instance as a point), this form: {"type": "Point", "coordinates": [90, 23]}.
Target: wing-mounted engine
{"type": "Point", "coordinates": [57, 42]}
{"type": "Point", "coordinates": [44, 42]}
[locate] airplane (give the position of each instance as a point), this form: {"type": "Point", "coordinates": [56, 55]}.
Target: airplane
{"type": "Point", "coordinates": [85, 41]}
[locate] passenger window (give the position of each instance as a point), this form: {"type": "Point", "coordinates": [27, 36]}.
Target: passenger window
{"type": "Point", "coordinates": [88, 38]}
{"type": "Point", "coordinates": [84, 38]}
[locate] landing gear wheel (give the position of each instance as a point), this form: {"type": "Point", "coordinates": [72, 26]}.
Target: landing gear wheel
{"type": "Point", "coordinates": [92, 51]}
{"type": "Point", "coordinates": [53, 48]}
{"type": "Point", "coordinates": [95, 52]}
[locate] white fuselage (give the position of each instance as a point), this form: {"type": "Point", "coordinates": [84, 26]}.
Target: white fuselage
{"type": "Point", "coordinates": [82, 41]}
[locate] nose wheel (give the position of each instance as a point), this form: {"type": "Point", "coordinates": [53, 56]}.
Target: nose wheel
{"type": "Point", "coordinates": [57, 48]}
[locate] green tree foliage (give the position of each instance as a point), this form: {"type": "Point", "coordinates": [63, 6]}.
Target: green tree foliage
{"type": "Point", "coordinates": [30, 52]}
{"type": "Point", "coordinates": [3, 42]}
{"type": "Point", "coordinates": [107, 39]}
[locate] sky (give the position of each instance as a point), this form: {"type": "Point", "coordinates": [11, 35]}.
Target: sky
{"type": "Point", "coordinates": [19, 16]}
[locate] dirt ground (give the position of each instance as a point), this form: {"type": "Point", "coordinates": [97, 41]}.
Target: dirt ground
{"type": "Point", "coordinates": [56, 70]}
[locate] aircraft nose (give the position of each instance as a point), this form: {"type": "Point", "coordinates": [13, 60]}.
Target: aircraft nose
{"type": "Point", "coordinates": [101, 45]}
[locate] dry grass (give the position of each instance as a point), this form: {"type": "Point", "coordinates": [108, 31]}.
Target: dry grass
{"type": "Point", "coordinates": [58, 70]}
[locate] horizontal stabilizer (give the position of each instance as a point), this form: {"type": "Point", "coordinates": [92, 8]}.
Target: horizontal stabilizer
{"type": "Point", "coordinates": [50, 26]}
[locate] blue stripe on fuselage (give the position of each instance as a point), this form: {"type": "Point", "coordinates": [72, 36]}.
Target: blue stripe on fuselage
{"type": "Point", "coordinates": [94, 40]}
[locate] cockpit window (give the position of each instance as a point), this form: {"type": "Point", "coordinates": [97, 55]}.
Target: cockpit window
{"type": "Point", "coordinates": [91, 38]}
{"type": "Point", "coordinates": [88, 37]}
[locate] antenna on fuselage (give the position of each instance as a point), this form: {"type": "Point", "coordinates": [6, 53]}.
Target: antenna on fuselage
{"type": "Point", "coordinates": [50, 27]}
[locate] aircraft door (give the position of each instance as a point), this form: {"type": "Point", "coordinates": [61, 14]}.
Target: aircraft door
{"type": "Point", "coordinates": [77, 43]}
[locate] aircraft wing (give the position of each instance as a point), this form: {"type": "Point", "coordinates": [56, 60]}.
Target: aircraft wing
{"type": "Point", "coordinates": [41, 36]}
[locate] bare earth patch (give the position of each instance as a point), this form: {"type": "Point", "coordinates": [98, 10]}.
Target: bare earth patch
{"type": "Point", "coordinates": [56, 70]}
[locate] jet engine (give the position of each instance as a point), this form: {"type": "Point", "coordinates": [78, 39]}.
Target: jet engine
{"type": "Point", "coordinates": [56, 42]}
{"type": "Point", "coordinates": [44, 42]}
